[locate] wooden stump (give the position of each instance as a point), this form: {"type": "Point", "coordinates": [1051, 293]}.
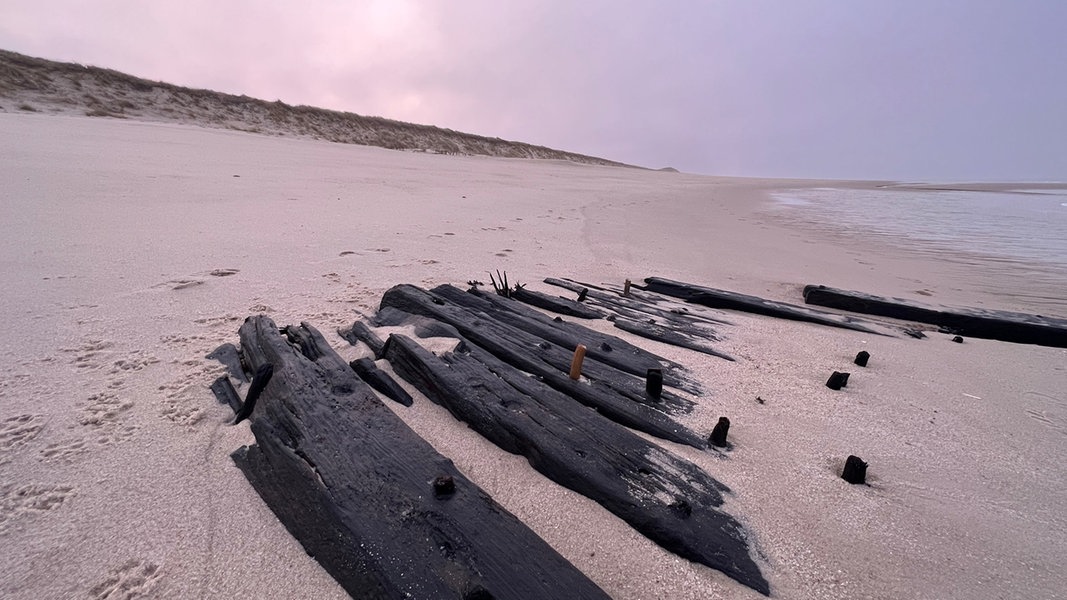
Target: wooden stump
{"type": "Point", "coordinates": [855, 471]}
{"type": "Point", "coordinates": [718, 435]}
{"type": "Point", "coordinates": [837, 380]}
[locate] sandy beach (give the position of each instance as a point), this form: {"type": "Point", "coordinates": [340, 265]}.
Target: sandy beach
{"type": "Point", "coordinates": [131, 250]}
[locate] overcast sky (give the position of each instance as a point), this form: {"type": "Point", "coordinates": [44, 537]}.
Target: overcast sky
{"type": "Point", "coordinates": [910, 90]}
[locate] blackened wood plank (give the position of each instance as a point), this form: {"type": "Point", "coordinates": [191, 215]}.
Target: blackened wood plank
{"type": "Point", "coordinates": [380, 381]}
{"type": "Point", "coordinates": [682, 338]}
{"type": "Point", "coordinates": [669, 500]}
{"type": "Point", "coordinates": [973, 322]}
{"type": "Point", "coordinates": [716, 298]}
{"type": "Point", "coordinates": [359, 332]}
{"type": "Point", "coordinates": [602, 347]}
{"type": "Point", "coordinates": [356, 487]}
{"type": "Point", "coordinates": [548, 361]}
{"type": "Point", "coordinates": [640, 303]}
{"type": "Point", "coordinates": [563, 306]}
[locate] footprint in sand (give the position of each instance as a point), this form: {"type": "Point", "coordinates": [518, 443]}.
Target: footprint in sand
{"type": "Point", "coordinates": [183, 404]}
{"type": "Point", "coordinates": [16, 431]}
{"type": "Point", "coordinates": [1047, 410]}
{"type": "Point", "coordinates": [182, 283]}
{"type": "Point", "coordinates": [91, 355]}
{"type": "Point", "coordinates": [221, 320]}
{"type": "Point", "coordinates": [136, 361]}
{"type": "Point", "coordinates": [177, 339]}
{"type": "Point", "coordinates": [136, 578]}
{"type": "Point", "coordinates": [104, 413]}
{"type": "Point", "coordinates": [25, 500]}
{"type": "Point", "coordinates": [64, 451]}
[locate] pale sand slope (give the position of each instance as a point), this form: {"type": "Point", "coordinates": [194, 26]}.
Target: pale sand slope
{"type": "Point", "coordinates": [115, 476]}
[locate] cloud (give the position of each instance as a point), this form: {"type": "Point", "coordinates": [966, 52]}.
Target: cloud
{"type": "Point", "coordinates": [937, 90]}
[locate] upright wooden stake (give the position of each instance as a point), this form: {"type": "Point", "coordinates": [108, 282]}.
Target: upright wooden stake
{"type": "Point", "coordinates": [855, 470]}
{"type": "Point", "coordinates": [862, 358]}
{"type": "Point", "coordinates": [718, 435]}
{"type": "Point", "coordinates": [654, 383]}
{"type": "Point", "coordinates": [576, 364]}
{"type": "Point", "coordinates": [626, 288]}
{"type": "Point", "coordinates": [837, 380]}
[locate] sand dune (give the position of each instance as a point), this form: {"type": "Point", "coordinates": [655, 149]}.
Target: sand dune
{"type": "Point", "coordinates": [130, 250]}
{"type": "Point", "coordinates": [29, 84]}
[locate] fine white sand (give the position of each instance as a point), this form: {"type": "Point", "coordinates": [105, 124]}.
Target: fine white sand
{"type": "Point", "coordinates": [130, 250]}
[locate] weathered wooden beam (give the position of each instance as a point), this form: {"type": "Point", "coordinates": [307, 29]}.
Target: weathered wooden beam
{"type": "Point", "coordinates": [356, 487]}
{"type": "Point", "coordinates": [228, 355]}
{"type": "Point", "coordinates": [359, 332]}
{"type": "Point", "coordinates": [556, 304]}
{"type": "Point", "coordinates": [667, 499]}
{"type": "Point", "coordinates": [551, 363]}
{"type": "Point", "coordinates": [614, 364]}
{"type": "Point", "coordinates": [602, 347]}
{"type": "Point", "coordinates": [639, 304]}
{"type": "Point", "coordinates": [667, 335]}
{"type": "Point", "coordinates": [1001, 325]}
{"type": "Point", "coordinates": [639, 315]}
{"type": "Point", "coordinates": [224, 392]}
{"type": "Point", "coordinates": [716, 298]}
{"type": "Point", "coordinates": [264, 373]}
{"type": "Point", "coordinates": [380, 381]}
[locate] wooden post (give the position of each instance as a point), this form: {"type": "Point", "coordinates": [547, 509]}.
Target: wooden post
{"type": "Point", "coordinates": [855, 470]}
{"type": "Point", "coordinates": [626, 288]}
{"type": "Point", "coordinates": [654, 383]}
{"type": "Point", "coordinates": [576, 364]}
{"type": "Point", "coordinates": [862, 358]}
{"type": "Point", "coordinates": [837, 380]}
{"type": "Point", "coordinates": [718, 435]}
{"type": "Point", "coordinates": [259, 382]}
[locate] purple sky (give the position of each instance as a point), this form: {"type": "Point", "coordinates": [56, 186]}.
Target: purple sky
{"type": "Point", "coordinates": [901, 89]}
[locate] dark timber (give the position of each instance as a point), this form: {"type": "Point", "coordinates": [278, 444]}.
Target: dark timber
{"type": "Point", "coordinates": [357, 487]}
{"type": "Point", "coordinates": [855, 471]}
{"type": "Point", "coordinates": [639, 315]}
{"type": "Point", "coordinates": [731, 300]}
{"type": "Point", "coordinates": [669, 500]}
{"type": "Point", "coordinates": [675, 337]}
{"type": "Point", "coordinates": [605, 348]}
{"type": "Point", "coordinates": [225, 394]}
{"type": "Point", "coordinates": [264, 373]}
{"type": "Point", "coordinates": [556, 304]}
{"type": "Point", "coordinates": [359, 332]}
{"type": "Point", "coordinates": [228, 356]}
{"type": "Point", "coordinates": [641, 305]}
{"type": "Point", "coordinates": [639, 301]}
{"type": "Point", "coordinates": [380, 381]}
{"type": "Point", "coordinates": [615, 394]}
{"type": "Point", "coordinates": [972, 322]}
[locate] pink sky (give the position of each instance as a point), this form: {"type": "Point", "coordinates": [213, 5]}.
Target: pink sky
{"type": "Point", "coordinates": [894, 90]}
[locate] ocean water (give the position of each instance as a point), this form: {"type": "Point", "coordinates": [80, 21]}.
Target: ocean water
{"type": "Point", "coordinates": [1016, 240]}
{"type": "Point", "coordinates": [1024, 225]}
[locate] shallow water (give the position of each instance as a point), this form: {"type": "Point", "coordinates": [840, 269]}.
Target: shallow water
{"type": "Point", "coordinates": [1015, 241]}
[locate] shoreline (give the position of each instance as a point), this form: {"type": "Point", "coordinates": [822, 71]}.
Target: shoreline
{"type": "Point", "coordinates": [132, 251]}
